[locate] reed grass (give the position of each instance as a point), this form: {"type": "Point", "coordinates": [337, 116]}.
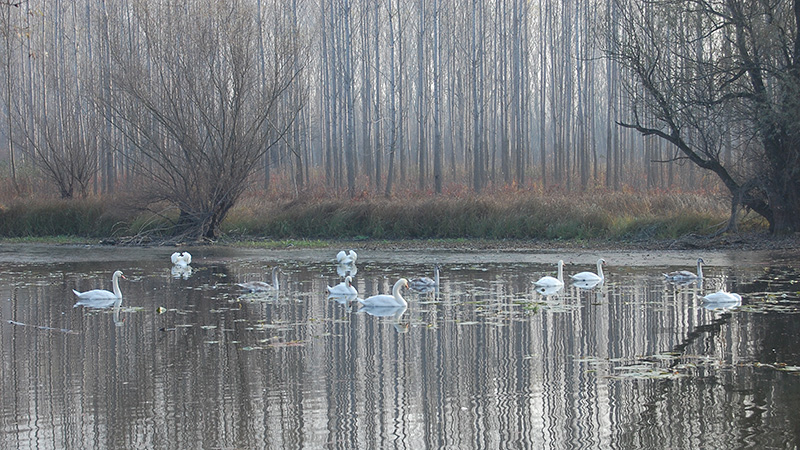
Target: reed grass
{"type": "Point", "coordinates": [37, 217]}
{"type": "Point", "coordinates": [504, 215]}
{"type": "Point", "coordinates": [305, 220]}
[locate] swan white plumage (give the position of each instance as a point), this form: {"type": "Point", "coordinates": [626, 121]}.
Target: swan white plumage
{"type": "Point", "coordinates": [426, 283]}
{"type": "Point", "coordinates": [722, 297]}
{"type": "Point", "coordinates": [548, 281]}
{"type": "Point", "coordinates": [345, 288]}
{"type": "Point", "coordinates": [346, 258]}
{"type": "Point", "coordinates": [721, 300]}
{"type": "Point", "coordinates": [182, 259]}
{"type": "Point", "coordinates": [101, 298]}
{"type": "Point", "coordinates": [685, 275]}
{"type": "Point", "coordinates": [591, 276]}
{"type": "Point", "coordinates": [396, 299]}
{"type": "Point", "coordinates": [261, 286]}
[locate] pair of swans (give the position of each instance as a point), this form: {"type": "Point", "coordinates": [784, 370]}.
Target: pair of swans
{"type": "Point", "coordinates": [581, 278]}
{"type": "Point", "coordinates": [346, 292]}
{"type": "Point", "coordinates": [261, 286]}
{"type": "Point", "coordinates": [101, 298]}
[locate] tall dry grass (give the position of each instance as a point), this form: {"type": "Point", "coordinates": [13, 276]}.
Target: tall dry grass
{"type": "Point", "coordinates": [505, 214]}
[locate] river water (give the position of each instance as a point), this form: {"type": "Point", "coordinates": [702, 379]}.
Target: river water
{"type": "Point", "coordinates": [188, 360]}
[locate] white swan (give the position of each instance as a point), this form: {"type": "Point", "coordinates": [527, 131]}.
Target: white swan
{"type": "Point", "coordinates": [590, 276]}
{"type": "Point", "coordinates": [684, 275]}
{"type": "Point", "coordinates": [346, 258]}
{"type": "Point", "coordinates": [721, 300]}
{"type": "Point", "coordinates": [548, 281]}
{"type": "Point", "coordinates": [425, 284]}
{"type": "Point", "coordinates": [260, 286]}
{"type": "Point", "coordinates": [396, 299]}
{"type": "Point", "coordinates": [181, 259]}
{"type": "Point", "coordinates": [345, 288]}
{"type": "Point", "coordinates": [101, 298]}
{"type": "Point", "coordinates": [722, 297]}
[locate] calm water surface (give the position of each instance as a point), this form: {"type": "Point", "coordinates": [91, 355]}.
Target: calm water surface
{"type": "Point", "coordinates": [190, 361]}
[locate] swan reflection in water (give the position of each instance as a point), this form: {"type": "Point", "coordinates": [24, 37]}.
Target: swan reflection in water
{"type": "Point", "coordinates": [395, 312]}
{"type": "Point", "coordinates": [344, 300]}
{"type": "Point", "coordinates": [587, 284]}
{"type": "Point", "coordinates": [549, 290]}
{"type": "Point", "coordinates": [181, 272]}
{"type": "Point", "coordinates": [114, 304]}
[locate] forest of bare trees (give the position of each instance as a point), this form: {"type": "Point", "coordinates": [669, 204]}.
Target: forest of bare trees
{"type": "Point", "coordinates": [194, 101]}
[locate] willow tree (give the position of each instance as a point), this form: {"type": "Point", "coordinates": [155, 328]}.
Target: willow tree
{"type": "Point", "coordinates": [191, 98]}
{"type": "Point", "coordinates": [705, 70]}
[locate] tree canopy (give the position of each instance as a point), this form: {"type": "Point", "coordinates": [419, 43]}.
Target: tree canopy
{"type": "Point", "coordinates": [711, 76]}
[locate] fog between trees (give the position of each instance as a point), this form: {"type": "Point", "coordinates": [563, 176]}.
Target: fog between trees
{"type": "Point", "coordinates": [192, 102]}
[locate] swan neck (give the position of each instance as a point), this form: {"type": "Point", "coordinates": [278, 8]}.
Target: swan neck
{"type": "Point", "coordinates": [699, 270]}
{"type": "Point", "coordinates": [275, 278]}
{"type": "Point", "coordinates": [600, 269]}
{"type": "Point", "coordinates": [397, 295]}
{"type": "Point", "coordinates": [561, 271]}
{"type": "Point", "coordinates": [117, 291]}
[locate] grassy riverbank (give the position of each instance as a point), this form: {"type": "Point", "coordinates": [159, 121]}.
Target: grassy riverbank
{"type": "Point", "coordinates": [506, 215]}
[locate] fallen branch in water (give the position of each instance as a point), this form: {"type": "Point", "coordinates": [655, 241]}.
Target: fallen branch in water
{"type": "Point", "coordinates": [63, 330]}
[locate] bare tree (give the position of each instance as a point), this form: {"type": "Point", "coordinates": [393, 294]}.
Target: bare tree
{"type": "Point", "coordinates": [756, 85]}
{"type": "Point", "coordinates": [194, 105]}
{"type": "Point", "coordinates": [56, 122]}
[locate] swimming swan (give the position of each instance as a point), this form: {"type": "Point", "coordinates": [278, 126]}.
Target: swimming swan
{"type": "Point", "coordinates": [589, 276]}
{"type": "Point", "coordinates": [260, 286]}
{"type": "Point", "coordinates": [343, 289]}
{"type": "Point", "coordinates": [91, 298]}
{"type": "Point", "coordinates": [548, 281]}
{"type": "Point", "coordinates": [388, 300]}
{"type": "Point", "coordinates": [722, 297]}
{"type": "Point", "coordinates": [685, 275]}
{"type": "Point", "coordinates": [181, 259]}
{"type": "Point", "coordinates": [425, 283]}
{"type": "Point", "coordinates": [346, 258]}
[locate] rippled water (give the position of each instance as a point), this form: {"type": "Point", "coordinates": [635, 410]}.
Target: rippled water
{"type": "Point", "coordinates": [485, 362]}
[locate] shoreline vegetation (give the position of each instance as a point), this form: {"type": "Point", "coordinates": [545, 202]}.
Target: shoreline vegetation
{"type": "Point", "coordinates": [518, 219]}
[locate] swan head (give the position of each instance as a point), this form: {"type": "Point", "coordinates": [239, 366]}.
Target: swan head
{"type": "Point", "coordinates": [118, 274]}
{"type": "Point", "coordinates": [700, 261]}
{"type": "Point", "coordinates": [348, 280]}
{"type": "Point", "coordinates": [401, 283]}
